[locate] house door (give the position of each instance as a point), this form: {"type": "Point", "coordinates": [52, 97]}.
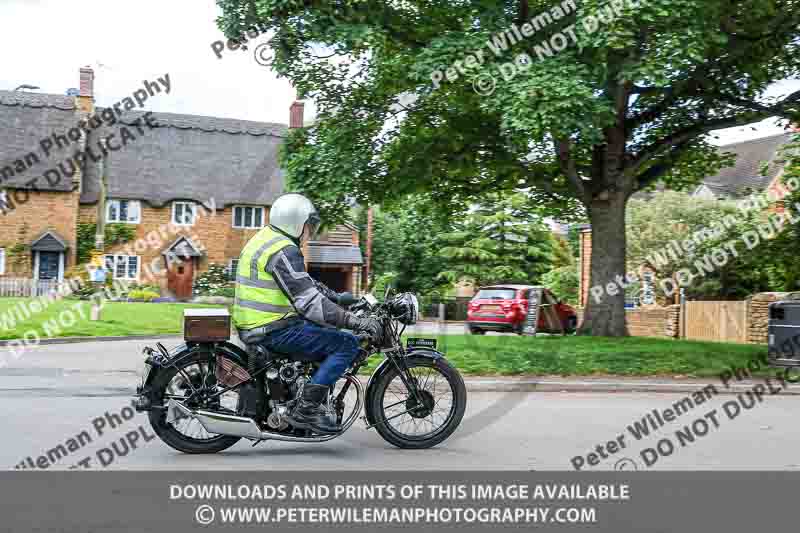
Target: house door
{"type": "Point", "coordinates": [180, 278]}
{"type": "Point", "coordinates": [49, 265]}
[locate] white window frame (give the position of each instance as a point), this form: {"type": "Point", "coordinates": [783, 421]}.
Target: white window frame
{"type": "Point", "coordinates": [193, 205]}
{"type": "Point", "coordinates": [2, 261]}
{"type": "Point", "coordinates": [231, 271]}
{"type": "Point", "coordinates": [130, 202]}
{"type": "Point", "coordinates": [5, 206]}
{"type": "Point", "coordinates": [116, 258]}
{"type": "Point", "coordinates": [254, 207]}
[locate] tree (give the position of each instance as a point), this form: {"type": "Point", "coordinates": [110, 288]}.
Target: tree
{"type": "Point", "coordinates": [563, 254]}
{"type": "Point", "coordinates": [502, 240]}
{"type": "Point", "coordinates": [778, 256]}
{"type": "Point", "coordinates": [564, 283]}
{"type": "Point", "coordinates": [677, 235]}
{"type": "Point", "coordinates": [404, 244]}
{"type": "Point", "coordinates": [591, 101]}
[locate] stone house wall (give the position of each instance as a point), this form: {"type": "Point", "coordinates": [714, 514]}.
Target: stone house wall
{"type": "Point", "coordinates": [43, 211]}
{"type": "Point", "coordinates": [213, 231]}
{"type": "Point", "coordinates": [758, 315]}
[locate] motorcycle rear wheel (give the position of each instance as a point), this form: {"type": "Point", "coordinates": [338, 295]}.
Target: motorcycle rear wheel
{"type": "Point", "coordinates": [401, 430]}
{"type": "Point", "coordinates": [169, 432]}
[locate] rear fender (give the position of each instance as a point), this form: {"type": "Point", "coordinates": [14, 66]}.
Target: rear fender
{"type": "Point", "coordinates": [385, 366]}
{"type": "Point", "coordinates": [182, 352]}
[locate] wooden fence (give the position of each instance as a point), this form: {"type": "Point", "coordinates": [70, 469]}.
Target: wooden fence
{"type": "Point", "coordinates": [27, 288]}
{"type": "Point", "coordinates": [716, 321]}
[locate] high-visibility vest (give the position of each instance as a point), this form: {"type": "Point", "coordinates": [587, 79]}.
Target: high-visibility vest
{"type": "Point", "coordinates": [259, 300]}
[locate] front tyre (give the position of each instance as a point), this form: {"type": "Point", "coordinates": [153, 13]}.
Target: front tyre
{"type": "Point", "coordinates": [406, 422]}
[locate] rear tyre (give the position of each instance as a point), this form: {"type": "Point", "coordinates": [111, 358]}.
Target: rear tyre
{"type": "Point", "coordinates": [172, 383]}
{"type": "Point", "coordinates": [423, 424]}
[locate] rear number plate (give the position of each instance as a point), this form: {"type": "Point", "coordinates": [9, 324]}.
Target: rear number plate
{"type": "Point", "coordinates": [421, 343]}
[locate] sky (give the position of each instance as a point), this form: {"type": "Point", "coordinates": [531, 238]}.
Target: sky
{"type": "Point", "coordinates": [45, 42]}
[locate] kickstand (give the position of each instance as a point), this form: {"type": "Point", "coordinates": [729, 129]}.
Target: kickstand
{"type": "Point", "coordinates": [256, 443]}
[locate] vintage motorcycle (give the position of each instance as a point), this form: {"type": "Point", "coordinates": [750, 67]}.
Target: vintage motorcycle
{"type": "Point", "coordinates": [207, 394]}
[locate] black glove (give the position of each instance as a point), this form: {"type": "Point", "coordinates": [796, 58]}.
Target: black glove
{"type": "Point", "coordinates": [369, 326]}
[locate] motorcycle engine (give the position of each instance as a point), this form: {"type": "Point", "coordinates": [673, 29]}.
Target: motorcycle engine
{"type": "Point", "coordinates": [283, 385]}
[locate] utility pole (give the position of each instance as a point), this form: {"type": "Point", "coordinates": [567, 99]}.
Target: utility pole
{"type": "Point", "coordinates": [100, 232]}
{"type": "Point", "coordinates": [368, 265]}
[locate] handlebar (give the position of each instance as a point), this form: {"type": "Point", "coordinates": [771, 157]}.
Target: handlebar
{"type": "Point", "coordinates": [346, 299]}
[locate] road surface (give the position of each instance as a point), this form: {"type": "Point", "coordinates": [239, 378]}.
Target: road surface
{"type": "Point", "coordinates": [70, 402]}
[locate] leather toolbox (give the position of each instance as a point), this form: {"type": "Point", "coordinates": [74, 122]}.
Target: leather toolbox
{"type": "Point", "coordinates": [206, 325]}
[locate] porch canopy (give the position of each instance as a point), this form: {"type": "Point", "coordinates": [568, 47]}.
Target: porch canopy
{"type": "Point", "coordinates": [50, 241]}
{"type": "Point", "coordinates": [333, 254]}
{"type": "Point", "coordinates": [183, 247]}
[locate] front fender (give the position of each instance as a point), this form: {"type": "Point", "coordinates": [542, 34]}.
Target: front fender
{"type": "Point", "coordinates": [385, 366]}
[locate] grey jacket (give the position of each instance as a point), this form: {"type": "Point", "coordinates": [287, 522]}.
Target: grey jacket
{"type": "Point", "coordinates": [312, 300]}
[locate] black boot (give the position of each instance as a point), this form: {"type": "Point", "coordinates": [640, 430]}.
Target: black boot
{"type": "Point", "coordinates": [309, 413]}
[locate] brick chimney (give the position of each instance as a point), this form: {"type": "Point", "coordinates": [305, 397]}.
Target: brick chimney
{"type": "Point", "coordinates": [87, 82]}
{"type": "Point", "coordinates": [85, 99]}
{"type": "Point", "coordinates": [296, 112]}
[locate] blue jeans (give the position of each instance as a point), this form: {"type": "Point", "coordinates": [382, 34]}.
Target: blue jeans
{"type": "Point", "coordinates": [336, 349]}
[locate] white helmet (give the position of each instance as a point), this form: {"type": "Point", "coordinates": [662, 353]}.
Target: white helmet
{"type": "Point", "coordinates": [291, 212]}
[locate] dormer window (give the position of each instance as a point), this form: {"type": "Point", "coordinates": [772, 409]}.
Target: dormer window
{"type": "Point", "coordinates": [184, 213]}
{"type": "Point", "coordinates": [123, 211]}
{"type": "Point", "coordinates": [246, 217]}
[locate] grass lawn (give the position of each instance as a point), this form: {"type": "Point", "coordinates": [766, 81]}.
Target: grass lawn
{"type": "Point", "coordinates": [572, 355]}
{"type": "Point", "coordinates": [477, 355]}
{"type": "Point", "coordinates": [117, 318]}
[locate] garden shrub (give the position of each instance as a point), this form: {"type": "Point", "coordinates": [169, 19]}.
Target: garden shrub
{"type": "Point", "coordinates": [143, 295]}
{"type": "Point", "coordinates": [214, 282]}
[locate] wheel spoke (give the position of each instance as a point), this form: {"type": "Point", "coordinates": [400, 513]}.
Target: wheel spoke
{"type": "Point", "coordinates": [437, 408]}
{"type": "Point", "coordinates": [194, 382]}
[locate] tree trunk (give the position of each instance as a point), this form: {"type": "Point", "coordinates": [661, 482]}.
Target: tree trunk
{"type": "Point", "coordinates": [605, 310]}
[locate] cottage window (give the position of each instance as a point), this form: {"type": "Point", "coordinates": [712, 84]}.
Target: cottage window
{"type": "Point", "coordinates": [246, 217]}
{"type": "Point", "coordinates": [184, 213]}
{"type": "Point", "coordinates": [123, 266]}
{"type": "Point", "coordinates": [128, 211]}
{"type": "Point", "coordinates": [2, 260]}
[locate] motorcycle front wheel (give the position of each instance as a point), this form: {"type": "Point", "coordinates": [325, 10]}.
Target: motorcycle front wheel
{"type": "Point", "coordinates": [417, 423]}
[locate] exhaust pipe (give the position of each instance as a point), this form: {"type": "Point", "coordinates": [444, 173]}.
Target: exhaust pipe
{"type": "Point", "coordinates": [235, 426]}
{"type": "Point", "coordinates": [240, 426]}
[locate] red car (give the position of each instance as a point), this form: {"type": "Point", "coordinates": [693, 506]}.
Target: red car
{"type": "Point", "coordinates": [503, 308]}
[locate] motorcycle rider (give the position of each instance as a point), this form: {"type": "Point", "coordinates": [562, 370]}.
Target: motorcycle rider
{"type": "Point", "coordinates": [280, 306]}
